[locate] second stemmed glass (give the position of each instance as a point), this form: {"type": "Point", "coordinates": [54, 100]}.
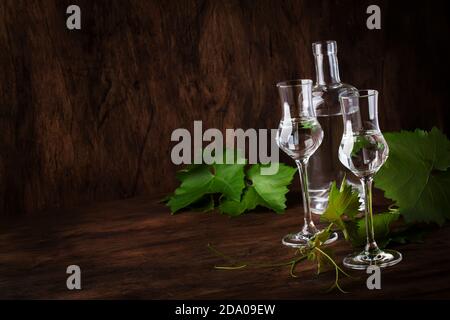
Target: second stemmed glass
{"type": "Point", "coordinates": [364, 150]}
{"type": "Point", "coordinates": [299, 136]}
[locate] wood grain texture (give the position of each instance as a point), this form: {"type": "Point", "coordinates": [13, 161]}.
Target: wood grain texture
{"type": "Point", "coordinates": [87, 115]}
{"type": "Point", "coordinates": [135, 249]}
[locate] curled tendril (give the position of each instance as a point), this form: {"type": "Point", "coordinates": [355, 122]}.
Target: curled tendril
{"type": "Point", "coordinates": [302, 254]}
{"type": "Point", "coordinates": [393, 208]}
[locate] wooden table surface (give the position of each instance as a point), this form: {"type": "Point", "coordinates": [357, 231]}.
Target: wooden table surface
{"type": "Point", "coordinates": [135, 249]}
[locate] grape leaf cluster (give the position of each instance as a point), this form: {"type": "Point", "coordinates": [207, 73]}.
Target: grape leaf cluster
{"type": "Point", "coordinates": [231, 188]}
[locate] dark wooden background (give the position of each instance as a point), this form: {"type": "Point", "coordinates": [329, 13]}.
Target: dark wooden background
{"type": "Point", "coordinates": [87, 115]}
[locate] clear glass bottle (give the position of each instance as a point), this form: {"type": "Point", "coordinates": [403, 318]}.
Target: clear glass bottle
{"type": "Point", "coordinates": [324, 166]}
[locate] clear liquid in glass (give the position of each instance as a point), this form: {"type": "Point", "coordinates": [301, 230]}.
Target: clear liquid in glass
{"type": "Point", "coordinates": [299, 137]}
{"type": "Point", "coordinates": [363, 152]}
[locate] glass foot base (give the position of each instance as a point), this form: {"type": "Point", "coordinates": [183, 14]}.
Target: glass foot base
{"type": "Point", "coordinates": [362, 260]}
{"type": "Point", "coordinates": [300, 239]}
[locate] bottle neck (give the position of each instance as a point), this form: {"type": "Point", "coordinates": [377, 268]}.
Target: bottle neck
{"type": "Point", "coordinates": [327, 69]}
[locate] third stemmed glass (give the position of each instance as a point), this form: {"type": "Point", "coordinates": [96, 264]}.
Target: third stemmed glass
{"type": "Point", "coordinates": [364, 150]}
{"type": "Point", "coordinates": [299, 136]}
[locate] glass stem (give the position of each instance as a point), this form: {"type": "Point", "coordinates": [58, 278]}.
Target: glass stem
{"type": "Point", "coordinates": [371, 246]}
{"type": "Point", "coordinates": [308, 227]}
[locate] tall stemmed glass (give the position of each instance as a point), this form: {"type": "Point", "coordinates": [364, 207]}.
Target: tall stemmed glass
{"type": "Point", "coordinates": [299, 136]}
{"type": "Point", "coordinates": [363, 150]}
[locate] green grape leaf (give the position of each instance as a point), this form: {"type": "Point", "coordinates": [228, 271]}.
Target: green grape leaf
{"type": "Point", "coordinates": [195, 183]}
{"type": "Point", "coordinates": [265, 190]}
{"type": "Point", "coordinates": [343, 201]}
{"type": "Point", "coordinates": [272, 188]}
{"type": "Point", "coordinates": [415, 175]}
{"type": "Point", "coordinates": [199, 180]}
{"type": "Point", "coordinates": [250, 200]}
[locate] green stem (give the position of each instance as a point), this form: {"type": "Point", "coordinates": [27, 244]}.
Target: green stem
{"type": "Point", "coordinates": [230, 268]}
{"type": "Point", "coordinates": [293, 263]}
{"type": "Point", "coordinates": [332, 261]}
{"type": "Point", "coordinates": [243, 265]}
{"type": "Point", "coordinates": [336, 269]}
